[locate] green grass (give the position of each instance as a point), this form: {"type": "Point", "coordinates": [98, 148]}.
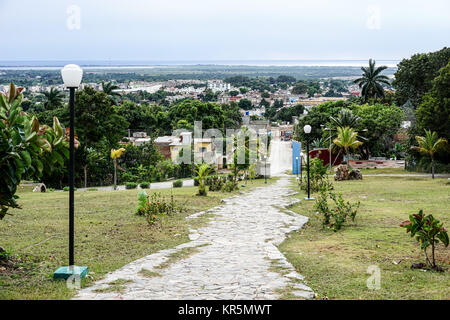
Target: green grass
{"type": "Point", "coordinates": [335, 263]}
{"type": "Point", "coordinates": [114, 286]}
{"type": "Point", "coordinates": [178, 255]}
{"type": "Point", "coordinates": [108, 235]}
{"type": "Point", "coordinates": [387, 171]}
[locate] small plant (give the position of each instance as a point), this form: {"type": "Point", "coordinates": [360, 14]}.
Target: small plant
{"type": "Point", "coordinates": [144, 185]}
{"type": "Point", "coordinates": [215, 182]}
{"type": "Point", "coordinates": [131, 185]}
{"type": "Point", "coordinates": [230, 186]}
{"type": "Point", "coordinates": [156, 206]}
{"type": "Point", "coordinates": [67, 188]}
{"type": "Point", "coordinates": [202, 172]}
{"type": "Point", "coordinates": [177, 184]}
{"type": "Point", "coordinates": [428, 232]}
{"type": "Point", "coordinates": [92, 189]}
{"type": "Point", "coordinates": [51, 189]}
{"type": "Point", "coordinates": [336, 216]}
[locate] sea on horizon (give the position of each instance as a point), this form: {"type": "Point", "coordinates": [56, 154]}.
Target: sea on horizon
{"type": "Point", "coordinates": [142, 64]}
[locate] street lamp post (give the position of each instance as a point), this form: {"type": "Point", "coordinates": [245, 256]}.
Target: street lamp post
{"type": "Point", "coordinates": [307, 130]}
{"type": "Point", "coordinates": [71, 75]}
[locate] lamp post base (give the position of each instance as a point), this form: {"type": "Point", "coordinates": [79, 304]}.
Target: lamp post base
{"type": "Point", "coordinates": [308, 199]}
{"type": "Point", "coordinates": [67, 271]}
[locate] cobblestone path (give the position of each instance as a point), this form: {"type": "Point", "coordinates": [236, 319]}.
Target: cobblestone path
{"type": "Point", "coordinates": [233, 257]}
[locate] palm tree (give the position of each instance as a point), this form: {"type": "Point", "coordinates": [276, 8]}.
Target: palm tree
{"type": "Point", "coordinates": [116, 154]}
{"type": "Point", "coordinates": [430, 144]}
{"type": "Point", "coordinates": [346, 140]}
{"type": "Point", "coordinates": [109, 88]}
{"type": "Point", "coordinates": [54, 99]}
{"type": "Point", "coordinates": [202, 171]}
{"type": "Point", "coordinates": [371, 81]}
{"type": "Point", "coordinates": [345, 118]}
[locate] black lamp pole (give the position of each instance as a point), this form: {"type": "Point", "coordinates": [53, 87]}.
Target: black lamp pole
{"type": "Point", "coordinates": [71, 176]}
{"type": "Point", "coordinates": [307, 164]}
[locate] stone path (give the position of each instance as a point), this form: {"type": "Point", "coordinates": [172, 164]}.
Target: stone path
{"type": "Point", "coordinates": [233, 257]}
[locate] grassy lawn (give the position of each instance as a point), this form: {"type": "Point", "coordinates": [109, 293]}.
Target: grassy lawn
{"type": "Point", "coordinates": [108, 235]}
{"type": "Point", "coordinates": [335, 264]}
{"type": "Point", "coordinates": [388, 171]}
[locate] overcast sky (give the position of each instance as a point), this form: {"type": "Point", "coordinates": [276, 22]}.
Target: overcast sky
{"type": "Point", "coordinates": [221, 29]}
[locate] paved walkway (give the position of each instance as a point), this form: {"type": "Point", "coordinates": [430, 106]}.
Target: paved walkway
{"type": "Point", "coordinates": [230, 258]}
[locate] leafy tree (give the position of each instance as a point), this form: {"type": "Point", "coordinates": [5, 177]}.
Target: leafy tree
{"type": "Point", "coordinates": [54, 99]}
{"type": "Point", "coordinates": [265, 94]}
{"type": "Point", "coordinates": [286, 114]}
{"type": "Point", "coordinates": [96, 120]}
{"type": "Point", "coordinates": [211, 114]}
{"type": "Point", "coordinates": [27, 149]}
{"type": "Point", "coordinates": [415, 75]}
{"type": "Point", "coordinates": [243, 90]}
{"type": "Point", "coordinates": [430, 144]}
{"type": "Point", "coordinates": [232, 115]}
{"type": "Point", "coordinates": [381, 123]}
{"type": "Point", "coordinates": [371, 81]}
{"type": "Point", "coordinates": [234, 93]}
{"type": "Point", "coordinates": [434, 112]}
{"type": "Point", "coordinates": [287, 79]}
{"type": "Point", "coordinates": [300, 88]}
{"type": "Point", "coordinates": [245, 104]}
{"type": "Point", "coordinates": [264, 103]}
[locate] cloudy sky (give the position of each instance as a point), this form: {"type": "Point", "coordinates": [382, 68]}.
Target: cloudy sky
{"type": "Point", "coordinates": [221, 29]}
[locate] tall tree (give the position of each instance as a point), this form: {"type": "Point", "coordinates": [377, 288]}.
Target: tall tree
{"type": "Point", "coordinates": [96, 120]}
{"type": "Point", "coordinates": [54, 99]}
{"type": "Point", "coordinates": [415, 75]}
{"type": "Point", "coordinates": [371, 80]}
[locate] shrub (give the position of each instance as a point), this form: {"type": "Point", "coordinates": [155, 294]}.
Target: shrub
{"type": "Point", "coordinates": [67, 188]}
{"type": "Point", "coordinates": [131, 185]}
{"type": "Point", "coordinates": [177, 184]}
{"type": "Point", "coordinates": [317, 176]}
{"type": "Point", "coordinates": [156, 207]}
{"type": "Point", "coordinates": [428, 232]}
{"type": "Point", "coordinates": [230, 186]}
{"type": "Point", "coordinates": [144, 184]}
{"type": "Point", "coordinates": [215, 183]}
{"type": "Point", "coordinates": [336, 216]}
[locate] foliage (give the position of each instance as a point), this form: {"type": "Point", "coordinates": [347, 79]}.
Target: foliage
{"type": "Point", "coordinates": [230, 186]}
{"type": "Point", "coordinates": [155, 207]}
{"type": "Point", "coordinates": [346, 140]}
{"type": "Point", "coordinates": [428, 231]}
{"type": "Point", "coordinates": [372, 80]}
{"type": "Point", "coordinates": [177, 184]}
{"type": "Point", "coordinates": [434, 111]}
{"type": "Point", "coordinates": [27, 149]}
{"type": "Point", "coordinates": [318, 177]}
{"type": "Point", "coordinates": [415, 75]}
{"type": "Point", "coordinates": [430, 144]}
{"type": "Point", "coordinates": [131, 185]}
{"type": "Point", "coordinates": [335, 217]}
{"type": "Point", "coordinates": [245, 104]}
{"type": "Point", "coordinates": [54, 99]}
{"type": "Point", "coordinates": [202, 171]}
{"type": "Point", "coordinates": [144, 184]}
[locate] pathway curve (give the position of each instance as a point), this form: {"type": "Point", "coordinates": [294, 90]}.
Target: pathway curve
{"type": "Point", "coordinates": [233, 256]}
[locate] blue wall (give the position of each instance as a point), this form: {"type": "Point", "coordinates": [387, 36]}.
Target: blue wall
{"type": "Point", "coordinates": [296, 164]}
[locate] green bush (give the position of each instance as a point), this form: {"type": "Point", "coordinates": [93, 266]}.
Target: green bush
{"type": "Point", "coordinates": [156, 207]}
{"type": "Point", "coordinates": [145, 184]}
{"type": "Point", "coordinates": [428, 232]}
{"type": "Point", "coordinates": [67, 188]}
{"type": "Point", "coordinates": [177, 184]}
{"type": "Point", "coordinates": [131, 185]}
{"type": "Point", "coordinates": [230, 186]}
{"type": "Point", "coordinates": [215, 182]}
{"type": "Point", "coordinates": [334, 217]}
